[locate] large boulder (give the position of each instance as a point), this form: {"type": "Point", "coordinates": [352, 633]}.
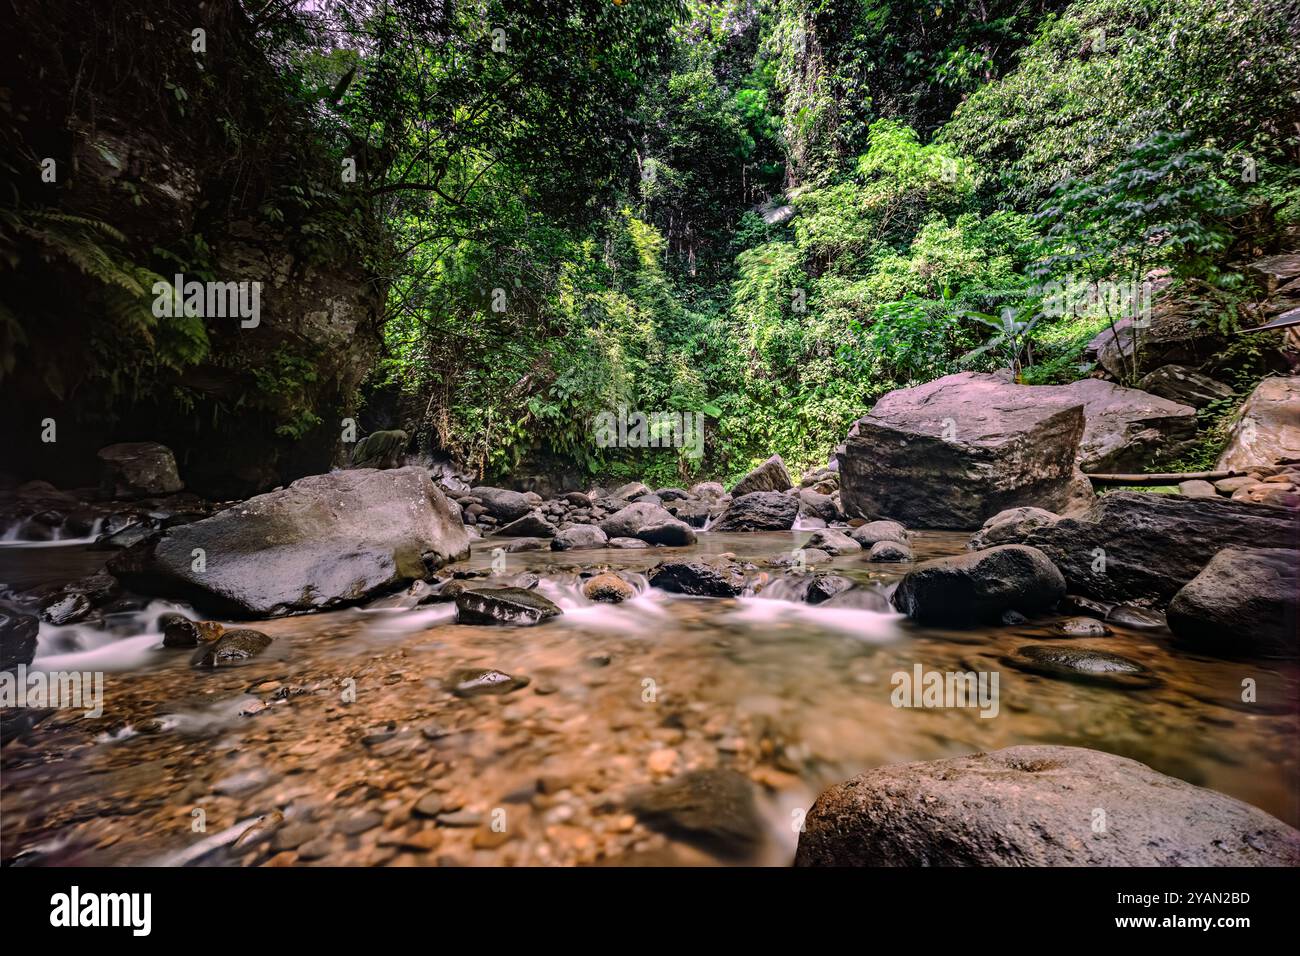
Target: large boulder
{"type": "Point", "coordinates": [1184, 385]}
{"type": "Point", "coordinates": [579, 537]}
{"type": "Point", "coordinates": [649, 522]}
{"type": "Point", "coordinates": [1172, 335]}
{"type": "Point", "coordinates": [324, 541]}
{"type": "Point", "coordinates": [1138, 546]}
{"type": "Point", "coordinates": [769, 476]}
{"type": "Point", "coordinates": [759, 511]}
{"type": "Point", "coordinates": [138, 469]}
{"type": "Point", "coordinates": [1123, 428]}
{"type": "Point", "coordinates": [1036, 806]}
{"type": "Point", "coordinates": [953, 452]}
{"type": "Point", "coordinates": [973, 588]}
{"type": "Point", "coordinates": [700, 578]}
{"type": "Point", "coordinates": [501, 503]}
{"type": "Point", "coordinates": [1243, 603]}
{"type": "Point", "coordinates": [1267, 429]}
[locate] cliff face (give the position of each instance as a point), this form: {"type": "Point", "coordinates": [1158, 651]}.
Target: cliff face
{"type": "Point", "coordinates": [173, 152]}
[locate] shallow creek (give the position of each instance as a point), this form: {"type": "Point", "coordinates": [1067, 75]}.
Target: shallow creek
{"type": "Point", "coordinates": [345, 726]}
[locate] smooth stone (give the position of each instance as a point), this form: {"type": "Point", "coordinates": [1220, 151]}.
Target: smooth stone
{"type": "Point", "coordinates": [510, 605]}
{"type": "Point", "coordinates": [1081, 627]}
{"type": "Point", "coordinates": [232, 647]}
{"type": "Point", "coordinates": [1073, 663]}
{"type": "Point", "coordinates": [479, 682]}
{"type": "Point", "coordinates": [890, 551]}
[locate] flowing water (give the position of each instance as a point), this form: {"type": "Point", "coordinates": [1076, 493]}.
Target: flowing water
{"type": "Point", "coordinates": [346, 727]}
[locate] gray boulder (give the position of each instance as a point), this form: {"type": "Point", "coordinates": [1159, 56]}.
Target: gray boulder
{"type": "Point", "coordinates": [649, 522]}
{"type": "Point", "coordinates": [531, 525]}
{"type": "Point", "coordinates": [1036, 806]}
{"type": "Point", "coordinates": [833, 542]}
{"type": "Point", "coordinates": [579, 537]}
{"type": "Point", "coordinates": [1010, 526]}
{"type": "Point", "coordinates": [952, 452]}
{"type": "Point", "coordinates": [138, 470]}
{"type": "Point", "coordinates": [759, 511]}
{"type": "Point", "coordinates": [769, 476]}
{"type": "Point", "coordinates": [875, 531]}
{"type": "Point", "coordinates": [501, 503]}
{"type": "Point", "coordinates": [1143, 547]}
{"type": "Point", "coordinates": [978, 587]}
{"type": "Point", "coordinates": [1125, 429]}
{"type": "Point", "coordinates": [1243, 603]}
{"type": "Point", "coordinates": [1184, 385]}
{"type": "Point", "coordinates": [891, 552]}
{"type": "Point", "coordinates": [324, 541]}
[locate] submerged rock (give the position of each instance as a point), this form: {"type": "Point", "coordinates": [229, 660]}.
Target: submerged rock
{"type": "Point", "coordinates": [479, 682]}
{"type": "Point", "coordinates": [233, 647]}
{"type": "Point", "coordinates": [971, 588]}
{"type": "Point", "coordinates": [699, 578]}
{"type": "Point", "coordinates": [712, 809]}
{"type": "Point", "coordinates": [503, 606]}
{"type": "Point", "coordinates": [1036, 806]}
{"type": "Point", "coordinates": [324, 541]}
{"type": "Point", "coordinates": [1244, 602]}
{"type": "Point", "coordinates": [1081, 627]}
{"type": "Point", "coordinates": [1080, 664]}
{"type": "Point", "coordinates": [631, 544]}
{"type": "Point", "coordinates": [759, 511]}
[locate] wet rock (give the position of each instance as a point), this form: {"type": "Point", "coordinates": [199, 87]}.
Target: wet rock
{"type": "Point", "coordinates": [233, 647]}
{"type": "Point", "coordinates": [801, 557]}
{"type": "Point", "coordinates": [967, 589]}
{"type": "Point", "coordinates": [324, 541]}
{"type": "Point", "coordinates": [875, 531]}
{"type": "Point", "coordinates": [823, 587]}
{"type": "Point", "coordinates": [503, 606]}
{"type": "Point", "coordinates": [531, 525]}
{"type": "Point", "coordinates": [1243, 603]}
{"type": "Point", "coordinates": [527, 544]}
{"type": "Point", "coordinates": [631, 544]}
{"type": "Point", "coordinates": [1081, 627]}
{"type": "Point", "coordinates": [1078, 604]}
{"type": "Point", "coordinates": [1080, 664]}
{"type": "Point", "coordinates": [759, 511]}
{"type": "Point", "coordinates": [480, 682]}
{"type": "Point", "coordinates": [579, 537]}
{"type": "Point", "coordinates": [1132, 546]}
{"type": "Point", "coordinates": [699, 578]}
{"type": "Point", "coordinates": [608, 588]}
{"type": "Point", "coordinates": [1137, 618]}
{"type": "Point", "coordinates": [890, 551]}
{"type": "Point", "coordinates": [1010, 527]}
{"type": "Point", "coordinates": [67, 607]}
{"type": "Point", "coordinates": [711, 809]}
{"type": "Point", "coordinates": [138, 470]}
{"type": "Point", "coordinates": [502, 504]}
{"type": "Point", "coordinates": [179, 631]}
{"type": "Point", "coordinates": [259, 831]}
{"type": "Point", "coordinates": [954, 451]}
{"type": "Point", "coordinates": [1036, 806]}
{"type": "Point", "coordinates": [17, 638]}
{"type": "Point", "coordinates": [1184, 385]}
{"type": "Point", "coordinates": [833, 542]}
{"type": "Point", "coordinates": [769, 476]}
{"type": "Point", "coordinates": [650, 523]}
{"type": "Point", "coordinates": [1013, 618]}
{"type": "Point", "coordinates": [1267, 428]}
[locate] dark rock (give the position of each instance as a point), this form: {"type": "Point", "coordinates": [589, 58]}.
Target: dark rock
{"type": "Point", "coordinates": [502, 504]}
{"type": "Point", "coordinates": [579, 537]}
{"type": "Point", "coordinates": [1036, 806]}
{"type": "Point", "coordinates": [324, 541]}
{"type": "Point", "coordinates": [531, 525]}
{"type": "Point", "coordinates": [137, 470]}
{"type": "Point", "coordinates": [699, 578]}
{"type": "Point", "coordinates": [823, 587]}
{"type": "Point", "coordinates": [1010, 527]}
{"type": "Point", "coordinates": [711, 809]}
{"type": "Point", "coordinates": [1080, 664]}
{"type": "Point", "coordinates": [480, 682]}
{"type": "Point", "coordinates": [671, 494]}
{"type": "Point", "coordinates": [694, 513]}
{"type": "Point", "coordinates": [67, 607]}
{"type": "Point", "coordinates": [976, 587]}
{"type": "Point", "coordinates": [503, 606]}
{"type": "Point", "coordinates": [382, 449]}
{"type": "Point", "coordinates": [1184, 385]}
{"type": "Point", "coordinates": [817, 505]}
{"type": "Point", "coordinates": [1169, 336]}
{"type": "Point", "coordinates": [953, 452]}
{"type": "Point", "coordinates": [179, 631]}
{"type": "Point", "coordinates": [769, 476]}
{"type": "Point", "coordinates": [890, 552]}
{"type": "Point", "coordinates": [649, 522]}
{"type": "Point", "coordinates": [1243, 603]}
{"type": "Point", "coordinates": [1138, 546]}
{"type": "Point", "coordinates": [1081, 627]}
{"type": "Point", "coordinates": [527, 544]}
{"type": "Point", "coordinates": [17, 638]}
{"type": "Point", "coordinates": [759, 511]}
{"type": "Point", "coordinates": [1137, 618]}
{"type": "Point", "coordinates": [833, 542]}
{"type": "Point", "coordinates": [233, 647]}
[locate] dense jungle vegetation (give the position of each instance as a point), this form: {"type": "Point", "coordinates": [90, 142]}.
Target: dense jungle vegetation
{"type": "Point", "coordinates": [767, 211]}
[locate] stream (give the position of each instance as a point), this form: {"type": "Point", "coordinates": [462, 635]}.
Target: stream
{"type": "Point", "coordinates": [348, 727]}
